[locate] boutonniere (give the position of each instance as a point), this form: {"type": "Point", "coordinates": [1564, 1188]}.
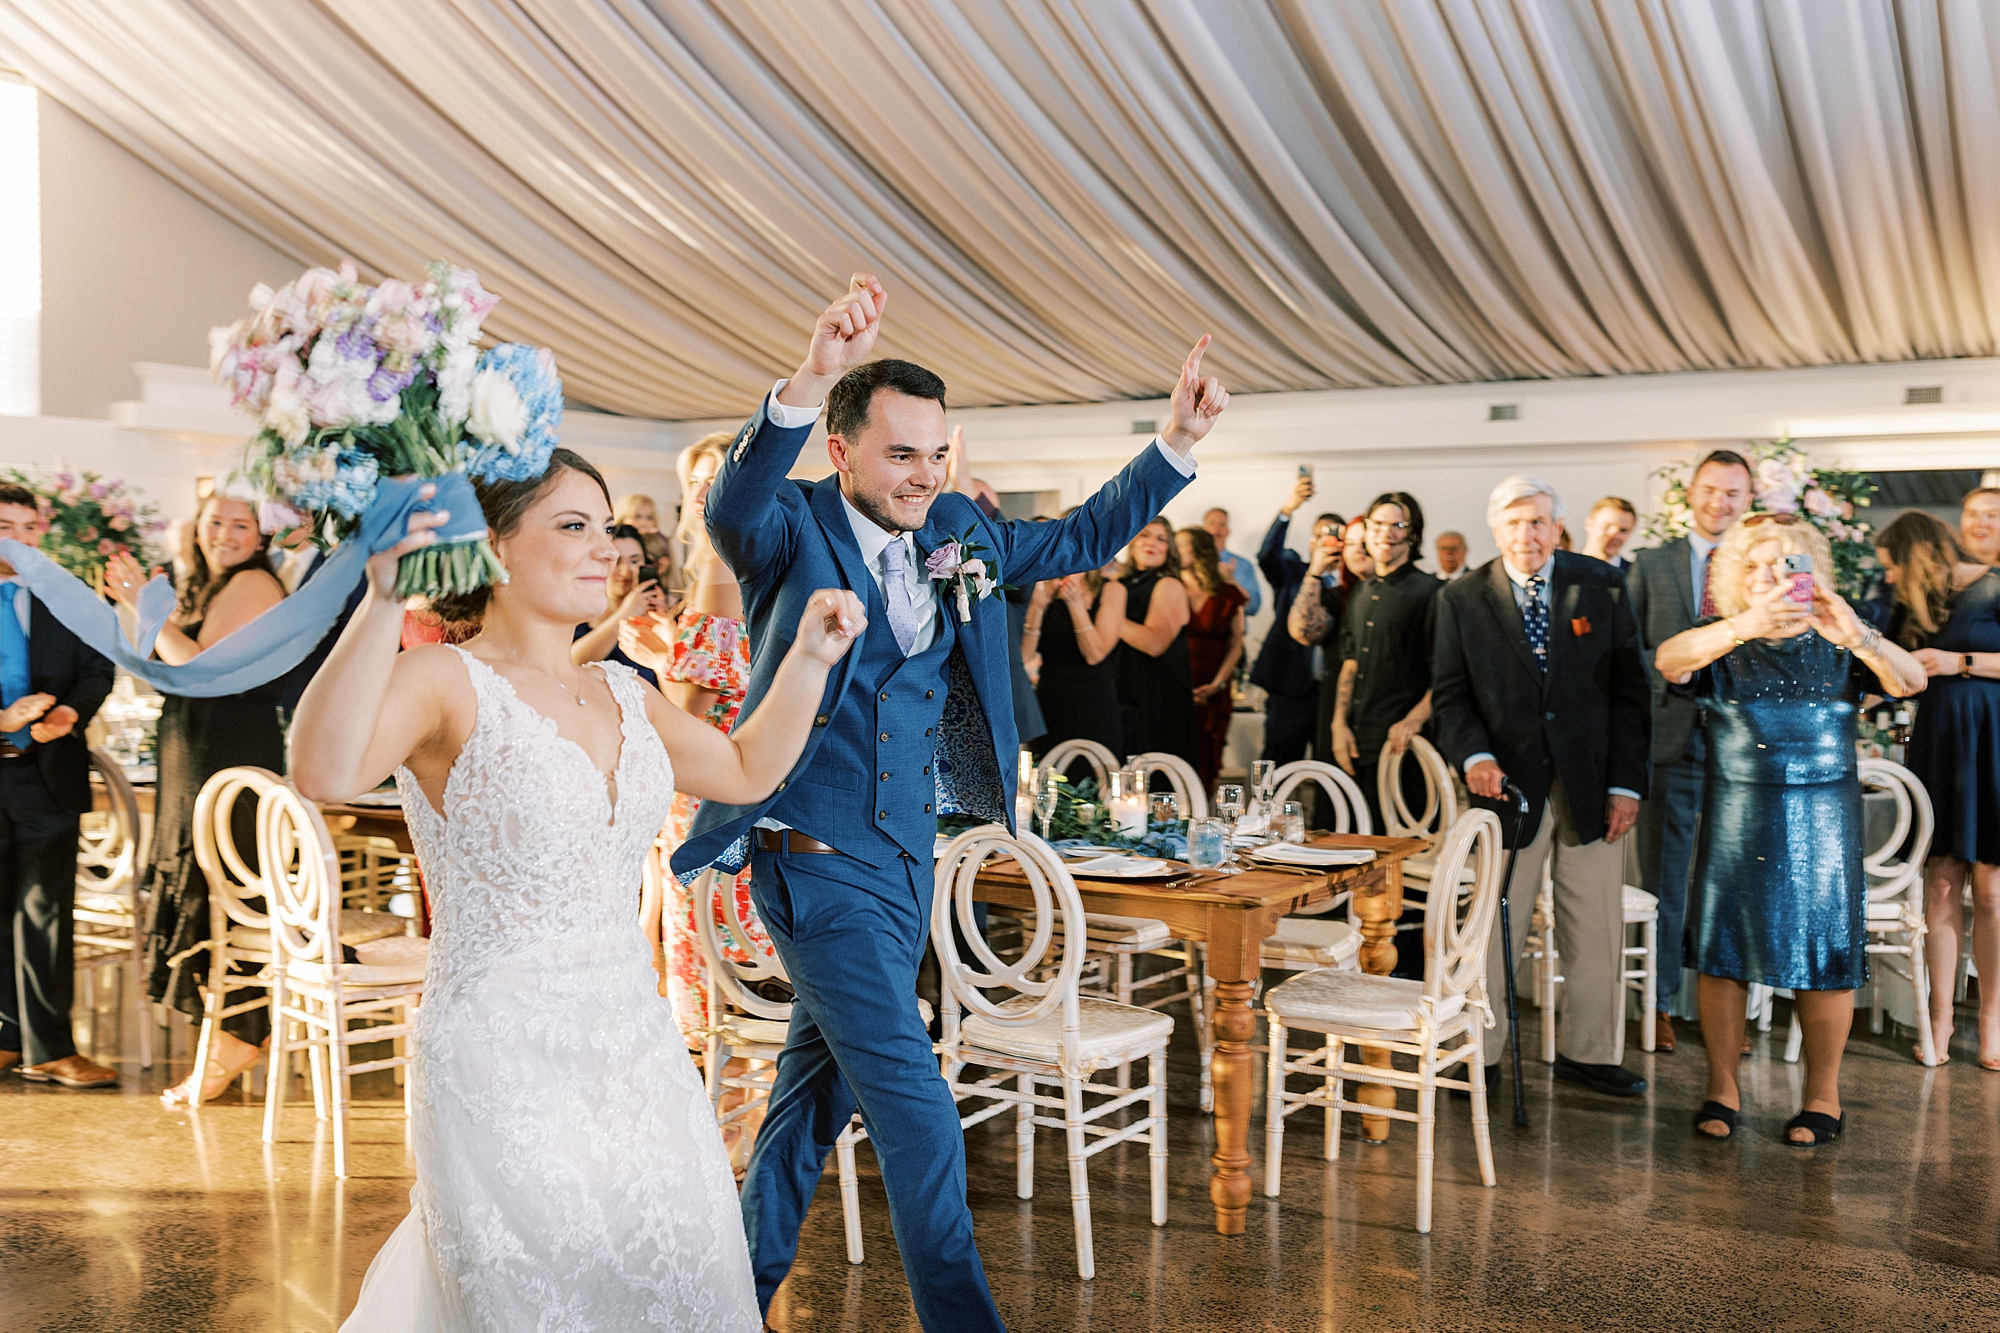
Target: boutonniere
{"type": "Point", "coordinates": [1580, 626]}
{"type": "Point", "coordinates": [959, 565]}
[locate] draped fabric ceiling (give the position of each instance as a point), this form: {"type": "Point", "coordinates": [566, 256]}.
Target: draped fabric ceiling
{"type": "Point", "coordinates": [1061, 193]}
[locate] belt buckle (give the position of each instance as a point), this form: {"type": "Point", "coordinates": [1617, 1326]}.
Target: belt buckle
{"type": "Point", "coordinates": [9, 750]}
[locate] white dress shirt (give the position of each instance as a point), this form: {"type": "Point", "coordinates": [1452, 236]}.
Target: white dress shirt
{"type": "Point", "coordinates": [873, 541]}
{"type": "Point", "coordinates": [1700, 549]}
{"type": "Point", "coordinates": [1520, 582]}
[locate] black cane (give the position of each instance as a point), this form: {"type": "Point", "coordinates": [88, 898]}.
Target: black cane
{"type": "Point", "coordinates": [1520, 813]}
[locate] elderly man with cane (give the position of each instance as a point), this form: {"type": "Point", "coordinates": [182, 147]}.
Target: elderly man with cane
{"type": "Point", "coordinates": [1538, 681]}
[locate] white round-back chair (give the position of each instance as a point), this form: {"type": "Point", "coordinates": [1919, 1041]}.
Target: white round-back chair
{"type": "Point", "coordinates": [1102, 762]}
{"type": "Point", "coordinates": [1416, 1018]}
{"type": "Point", "coordinates": [315, 996]}
{"type": "Point", "coordinates": [110, 931]}
{"type": "Point", "coordinates": [1046, 1032]}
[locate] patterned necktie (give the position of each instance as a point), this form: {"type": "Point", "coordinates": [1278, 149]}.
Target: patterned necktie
{"type": "Point", "coordinates": [896, 592]}
{"type": "Point", "coordinates": [1707, 598]}
{"type": "Point", "coordinates": [1535, 620]}
{"type": "Point", "coordinates": [14, 680]}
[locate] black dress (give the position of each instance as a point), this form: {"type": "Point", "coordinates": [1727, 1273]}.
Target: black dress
{"type": "Point", "coordinates": [1955, 744]}
{"type": "Point", "coordinates": [1079, 701]}
{"type": "Point", "coordinates": [197, 739]}
{"type": "Point", "coordinates": [1155, 694]}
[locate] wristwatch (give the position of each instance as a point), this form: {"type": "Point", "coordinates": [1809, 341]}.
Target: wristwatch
{"type": "Point", "coordinates": [1965, 665]}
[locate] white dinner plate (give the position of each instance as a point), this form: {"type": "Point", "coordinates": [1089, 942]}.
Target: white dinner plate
{"type": "Point", "coordinates": [1294, 854]}
{"type": "Point", "coordinates": [1122, 867]}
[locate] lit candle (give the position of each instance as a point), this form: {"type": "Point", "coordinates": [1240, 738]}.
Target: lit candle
{"type": "Point", "coordinates": [1128, 811]}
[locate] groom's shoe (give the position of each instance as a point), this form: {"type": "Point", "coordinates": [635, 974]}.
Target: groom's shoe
{"type": "Point", "coordinates": [1611, 1080]}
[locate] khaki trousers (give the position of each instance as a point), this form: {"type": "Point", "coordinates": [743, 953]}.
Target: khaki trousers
{"type": "Point", "coordinates": [1590, 932]}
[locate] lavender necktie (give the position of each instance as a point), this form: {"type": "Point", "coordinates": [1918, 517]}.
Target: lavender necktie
{"type": "Point", "coordinates": [902, 615]}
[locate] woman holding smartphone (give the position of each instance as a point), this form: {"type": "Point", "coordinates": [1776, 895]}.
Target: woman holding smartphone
{"type": "Point", "coordinates": [631, 590]}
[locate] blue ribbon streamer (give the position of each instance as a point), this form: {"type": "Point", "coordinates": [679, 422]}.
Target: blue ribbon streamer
{"type": "Point", "coordinates": [275, 641]}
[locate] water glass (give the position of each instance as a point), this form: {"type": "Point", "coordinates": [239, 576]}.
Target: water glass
{"type": "Point", "coordinates": [1166, 808]}
{"type": "Point", "coordinates": [1208, 844]}
{"type": "Point", "coordinates": [1263, 775]}
{"type": "Point", "coordinates": [1289, 824]}
{"type": "Point", "coordinates": [1229, 802]}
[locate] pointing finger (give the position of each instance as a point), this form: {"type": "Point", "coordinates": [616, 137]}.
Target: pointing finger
{"type": "Point", "coordinates": [1191, 371]}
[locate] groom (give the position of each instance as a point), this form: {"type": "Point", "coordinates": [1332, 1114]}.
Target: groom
{"type": "Point", "coordinates": [917, 721]}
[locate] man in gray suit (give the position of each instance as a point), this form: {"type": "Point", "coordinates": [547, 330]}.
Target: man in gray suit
{"type": "Point", "coordinates": [1667, 586]}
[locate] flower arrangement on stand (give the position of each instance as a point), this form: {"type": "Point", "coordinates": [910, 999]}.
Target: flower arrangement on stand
{"type": "Point", "coordinates": [89, 518]}
{"type": "Point", "coordinates": [1788, 482]}
{"type": "Point", "coordinates": [351, 384]}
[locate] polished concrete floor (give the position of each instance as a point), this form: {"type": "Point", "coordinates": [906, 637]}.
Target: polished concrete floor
{"type": "Point", "coordinates": [116, 1215]}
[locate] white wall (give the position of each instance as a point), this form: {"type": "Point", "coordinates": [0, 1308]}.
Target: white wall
{"type": "Point", "coordinates": [133, 268]}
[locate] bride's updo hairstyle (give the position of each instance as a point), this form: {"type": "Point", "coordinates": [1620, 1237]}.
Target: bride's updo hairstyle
{"type": "Point", "coordinates": [505, 504]}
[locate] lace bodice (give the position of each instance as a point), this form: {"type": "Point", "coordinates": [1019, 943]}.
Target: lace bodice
{"type": "Point", "coordinates": [528, 853]}
{"type": "Point", "coordinates": [570, 1177]}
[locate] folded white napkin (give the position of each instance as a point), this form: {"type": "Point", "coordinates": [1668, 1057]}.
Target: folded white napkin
{"type": "Point", "coordinates": [1292, 853]}
{"type": "Point", "coordinates": [1124, 867]}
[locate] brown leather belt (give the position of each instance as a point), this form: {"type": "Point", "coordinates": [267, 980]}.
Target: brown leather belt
{"type": "Point", "coordinates": [790, 839]}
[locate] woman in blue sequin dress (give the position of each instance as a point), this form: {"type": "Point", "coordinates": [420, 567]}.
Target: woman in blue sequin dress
{"type": "Point", "coordinates": [1779, 893]}
{"type": "Point", "coordinates": [1948, 615]}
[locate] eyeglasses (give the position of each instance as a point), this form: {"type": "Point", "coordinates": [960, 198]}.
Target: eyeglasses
{"type": "Point", "coordinates": [1783, 520]}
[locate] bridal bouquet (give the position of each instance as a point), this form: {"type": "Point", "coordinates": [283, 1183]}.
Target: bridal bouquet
{"type": "Point", "coordinates": [1787, 482]}
{"type": "Point", "coordinates": [89, 519]}
{"type": "Point", "coordinates": [351, 384]}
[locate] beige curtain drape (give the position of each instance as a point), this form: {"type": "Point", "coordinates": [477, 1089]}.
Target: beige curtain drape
{"type": "Point", "coordinates": [1061, 193]}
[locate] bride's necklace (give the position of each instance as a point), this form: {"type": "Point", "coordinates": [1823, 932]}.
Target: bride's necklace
{"type": "Point", "coordinates": [581, 702]}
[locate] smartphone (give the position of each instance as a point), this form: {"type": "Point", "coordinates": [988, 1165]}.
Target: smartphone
{"type": "Point", "coordinates": [648, 573]}
{"type": "Point", "coordinates": [1799, 570]}
{"type": "Point", "coordinates": [1305, 472]}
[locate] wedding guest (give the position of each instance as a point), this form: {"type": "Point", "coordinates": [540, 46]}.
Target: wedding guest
{"type": "Point", "coordinates": [1450, 548]}
{"type": "Point", "coordinates": [1668, 584]}
{"type": "Point", "coordinates": [1338, 568]}
{"type": "Point", "coordinates": [50, 686]}
{"type": "Point", "coordinates": [1237, 569]}
{"type": "Point", "coordinates": [1948, 615]}
{"type": "Point", "coordinates": [1539, 679]}
{"type": "Point", "coordinates": [1155, 680]}
{"type": "Point", "coordinates": [1779, 895]}
{"type": "Point", "coordinates": [701, 658]}
{"type": "Point", "coordinates": [1382, 692]}
{"type": "Point", "coordinates": [641, 513]}
{"type": "Point", "coordinates": [1979, 525]}
{"type": "Point", "coordinates": [1289, 672]}
{"type": "Point", "coordinates": [1607, 528]}
{"type": "Point", "coordinates": [1072, 625]}
{"type": "Point", "coordinates": [294, 558]}
{"type": "Point", "coordinates": [631, 590]}
{"type": "Point", "coordinates": [1215, 645]}
{"type": "Point", "coordinates": [229, 584]}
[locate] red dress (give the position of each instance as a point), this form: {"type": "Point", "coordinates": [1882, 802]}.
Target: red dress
{"type": "Point", "coordinates": [1208, 632]}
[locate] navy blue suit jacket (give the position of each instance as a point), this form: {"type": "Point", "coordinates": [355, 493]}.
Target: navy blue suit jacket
{"type": "Point", "coordinates": [787, 539]}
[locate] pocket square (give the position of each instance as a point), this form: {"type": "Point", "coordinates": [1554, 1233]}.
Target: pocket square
{"type": "Point", "coordinates": [1580, 626]}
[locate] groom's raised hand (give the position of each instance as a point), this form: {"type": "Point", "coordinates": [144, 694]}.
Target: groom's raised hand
{"type": "Point", "coordinates": [1196, 402]}
{"type": "Point", "coordinates": [842, 338]}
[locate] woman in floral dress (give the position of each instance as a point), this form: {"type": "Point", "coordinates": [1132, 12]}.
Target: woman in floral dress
{"type": "Point", "coordinates": [702, 657]}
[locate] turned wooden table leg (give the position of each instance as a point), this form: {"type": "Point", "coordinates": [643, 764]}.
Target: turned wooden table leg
{"type": "Point", "coordinates": [1235, 1026]}
{"type": "Point", "coordinates": [1378, 902]}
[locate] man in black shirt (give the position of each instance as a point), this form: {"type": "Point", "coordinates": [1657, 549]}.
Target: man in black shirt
{"type": "Point", "coordinates": [1383, 696]}
{"type": "Point", "coordinates": [1289, 671]}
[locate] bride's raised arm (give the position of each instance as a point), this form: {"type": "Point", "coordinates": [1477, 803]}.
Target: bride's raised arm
{"type": "Point", "coordinates": [746, 765]}
{"type": "Point", "coordinates": [369, 707]}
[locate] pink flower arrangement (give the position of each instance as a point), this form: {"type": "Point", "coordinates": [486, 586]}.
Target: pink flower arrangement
{"type": "Point", "coordinates": [80, 511]}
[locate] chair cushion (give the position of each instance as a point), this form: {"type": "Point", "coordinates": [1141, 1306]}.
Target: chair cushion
{"type": "Point", "coordinates": [1355, 999]}
{"type": "Point", "coordinates": [1639, 905]}
{"type": "Point", "coordinates": [356, 928]}
{"type": "Point", "coordinates": [1130, 931]}
{"type": "Point", "coordinates": [1313, 942]}
{"type": "Point", "coordinates": [1105, 1030]}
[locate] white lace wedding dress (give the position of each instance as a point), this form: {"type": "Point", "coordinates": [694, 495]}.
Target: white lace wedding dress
{"type": "Point", "coordinates": [569, 1172]}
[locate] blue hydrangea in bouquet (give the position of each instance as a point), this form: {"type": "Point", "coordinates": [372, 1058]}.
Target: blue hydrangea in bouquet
{"type": "Point", "coordinates": [351, 384]}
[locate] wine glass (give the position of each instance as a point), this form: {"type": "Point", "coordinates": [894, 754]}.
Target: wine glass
{"type": "Point", "coordinates": [1289, 824]}
{"type": "Point", "coordinates": [1048, 790]}
{"type": "Point", "coordinates": [1262, 775]}
{"type": "Point", "coordinates": [1229, 802]}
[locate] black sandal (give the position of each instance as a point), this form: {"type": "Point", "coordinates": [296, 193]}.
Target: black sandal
{"type": "Point", "coordinates": [1825, 1128]}
{"type": "Point", "coordinates": [1720, 1114]}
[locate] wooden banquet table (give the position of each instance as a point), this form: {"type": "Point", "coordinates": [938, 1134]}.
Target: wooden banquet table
{"type": "Point", "coordinates": [1232, 915]}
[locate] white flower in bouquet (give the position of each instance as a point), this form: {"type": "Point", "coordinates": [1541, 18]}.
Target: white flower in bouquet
{"type": "Point", "coordinates": [1777, 486]}
{"type": "Point", "coordinates": [454, 380]}
{"type": "Point", "coordinates": [285, 410]}
{"type": "Point", "coordinates": [402, 321]}
{"type": "Point", "coordinates": [497, 415]}
{"type": "Point", "coordinates": [341, 385]}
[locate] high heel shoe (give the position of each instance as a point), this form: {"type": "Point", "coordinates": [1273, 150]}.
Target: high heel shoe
{"type": "Point", "coordinates": [220, 1076]}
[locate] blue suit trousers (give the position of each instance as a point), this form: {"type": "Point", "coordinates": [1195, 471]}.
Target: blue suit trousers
{"type": "Point", "coordinates": [851, 938]}
{"type": "Point", "coordinates": [1667, 825]}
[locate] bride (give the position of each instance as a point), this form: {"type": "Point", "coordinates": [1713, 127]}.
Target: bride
{"type": "Point", "coordinates": [569, 1172]}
